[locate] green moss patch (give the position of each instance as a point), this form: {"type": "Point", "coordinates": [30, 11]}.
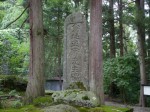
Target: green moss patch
{"type": "Point", "coordinates": [29, 108]}
{"type": "Point", "coordinates": [77, 85]}
{"type": "Point", "coordinates": [42, 101]}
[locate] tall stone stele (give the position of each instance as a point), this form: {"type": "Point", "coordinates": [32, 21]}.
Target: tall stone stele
{"type": "Point", "coordinates": [76, 48]}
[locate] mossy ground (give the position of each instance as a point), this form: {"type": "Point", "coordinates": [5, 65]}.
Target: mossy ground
{"type": "Point", "coordinates": [42, 102]}
{"type": "Point", "coordinates": [38, 103]}
{"type": "Point", "coordinates": [104, 109]}
{"type": "Point", "coordinates": [29, 108]}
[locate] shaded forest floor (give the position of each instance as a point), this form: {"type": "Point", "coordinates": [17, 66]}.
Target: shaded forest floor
{"type": "Point", "coordinates": [118, 103]}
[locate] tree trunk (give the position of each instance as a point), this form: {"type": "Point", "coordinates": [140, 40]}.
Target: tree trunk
{"type": "Point", "coordinates": [141, 47]}
{"type": "Point", "coordinates": [86, 11]}
{"type": "Point", "coordinates": [96, 64]}
{"type": "Point", "coordinates": [148, 41]}
{"type": "Point", "coordinates": [76, 2]}
{"type": "Point", "coordinates": [111, 32]}
{"type": "Point", "coordinates": [59, 47]}
{"type": "Point", "coordinates": [120, 28]}
{"type": "Point", "coordinates": [112, 41]}
{"type": "Point", "coordinates": [35, 85]}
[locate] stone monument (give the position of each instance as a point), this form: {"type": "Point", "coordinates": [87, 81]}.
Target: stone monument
{"type": "Point", "coordinates": [76, 48]}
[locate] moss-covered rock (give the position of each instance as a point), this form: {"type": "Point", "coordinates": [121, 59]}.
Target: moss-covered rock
{"type": "Point", "coordinates": [60, 108]}
{"type": "Point", "coordinates": [42, 101]}
{"type": "Point", "coordinates": [76, 97]}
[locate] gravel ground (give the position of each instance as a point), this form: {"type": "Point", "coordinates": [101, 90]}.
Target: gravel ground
{"type": "Point", "coordinates": [136, 108]}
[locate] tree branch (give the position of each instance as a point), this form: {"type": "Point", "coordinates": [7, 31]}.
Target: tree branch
{"type": "Point", "coordinates": [22, 25]}
{"type": "Point", "coordinates": [24, 22]}
{"type": "Point", "coordinates": [17, 17]}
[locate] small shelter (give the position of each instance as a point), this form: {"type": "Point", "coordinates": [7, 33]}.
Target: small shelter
{"type": "Point", "coordinates": [54, 84]}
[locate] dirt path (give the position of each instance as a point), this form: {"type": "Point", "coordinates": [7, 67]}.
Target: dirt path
{"type": "Point", "coordinates": [136, 108]}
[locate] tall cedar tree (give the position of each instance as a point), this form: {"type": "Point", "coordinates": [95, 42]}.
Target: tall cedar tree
{"type": "Point", "coordinates": [35, 85]}
{"type": "Point", "coordinates": [148, 52]}
{"type": "Point", "coordinates": [120, 27]}
{"type": "Point", "coordinates": [112, 42]}
{"type": "Point", "coordinates": [141, 46]}
{"type": "Point", "coordinates": [95, 67]}
{"type": "Point", "coordinates": [111, 32]}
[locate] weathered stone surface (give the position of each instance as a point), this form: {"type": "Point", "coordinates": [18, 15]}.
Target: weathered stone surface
{"type": "Point", "coordinates": [76, 97]}
{"type": "Point", "coordinates": [77, 85]}
{"type": "Point", "coordinates": [75, 51]}
{"type": "Point", "coordinates": [60, 108]}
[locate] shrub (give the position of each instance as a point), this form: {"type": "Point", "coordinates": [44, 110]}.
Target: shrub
{"type": "Point", "coordinates": [13, 82]}
{"type": "Point", "coordinates": [124, 73]}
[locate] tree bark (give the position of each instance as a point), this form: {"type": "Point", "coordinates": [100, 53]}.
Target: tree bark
{"type": "Point", "coordinates": [35, 85]}
{"type": "Point", "coordinates": [111, 32]}
{"type": "Point", "coordinates": [148, 41]}
{"type": "Point", "coordinates": [141, 47]}
{"type": "Point", "coordinates": [96, 60]}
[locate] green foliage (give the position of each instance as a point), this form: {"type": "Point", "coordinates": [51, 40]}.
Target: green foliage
{"type": "Point", "coordinates": [14, 45]}
{"type": "Point", "coordinates": [55, 12]}
{"type": "Point", "coordinates": [13, 92]}
{"type": "Point", "coordinates": [14, 53]}
{"type": "Point", "coordinates": [17, 104]}
{"type": "Point", "coordinates": [123, 71]}
{"type": "Point", "coordinates": [85, 98]}
{"type": "Point", "coordinates": [1, 92]}
{"type": "Point", "coordinates": [42, 101]}
{"type": "Point", "coordinates": [6, 103]}
{"type": "Point", "coordinates": [13, 10]}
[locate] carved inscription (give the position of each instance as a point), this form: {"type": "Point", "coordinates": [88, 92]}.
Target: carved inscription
{"type": "Point", "coordinates": [75, 38]}
{"type": "Point", "coordinates": [75, 50]}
